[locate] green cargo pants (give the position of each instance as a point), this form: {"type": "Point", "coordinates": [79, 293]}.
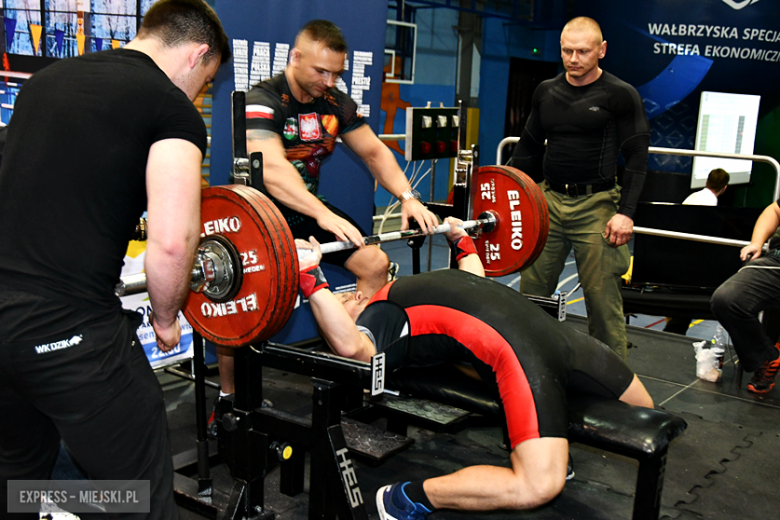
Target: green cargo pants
{"type": "Point", "coordinates": [579, 223]}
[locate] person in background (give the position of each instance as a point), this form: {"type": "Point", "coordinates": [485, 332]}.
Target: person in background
{"type": "Point", "coordinates": [739, 300]}
{"type": "Point", "coordinates": [717, 182]}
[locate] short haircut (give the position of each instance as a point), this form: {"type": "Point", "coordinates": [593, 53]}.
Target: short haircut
{"type": "Point", "coordinates": [177, 22]}
{"type": "Point", "coordinates": [583, 23]}
{"type": "Point", "coordinates": [326, 32]}
{"type": "Point", "coordinates": [718, 179]}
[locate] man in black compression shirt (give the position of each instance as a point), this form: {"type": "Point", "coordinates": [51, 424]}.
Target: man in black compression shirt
{"type": "Point", "coordinates": [587, 117]}
{"type": "Point", "coordinates": [530, 359]}
{"type": "Point", "coordinates": [71, 365]}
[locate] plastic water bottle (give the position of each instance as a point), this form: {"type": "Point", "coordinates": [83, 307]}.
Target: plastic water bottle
{"type": "Point", "coordinates": [719, 341]}
{"type": "Point", "coordinates": [709, 356]}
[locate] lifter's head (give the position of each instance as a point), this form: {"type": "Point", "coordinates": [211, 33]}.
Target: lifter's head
{"type": "Point", "coordinates": [582, 46]}
{"type": "Point", "coordinates": [191, 38]}
{"type": "Point", "coordinates": [354, 302]}
{"type": "Point", "coordinates": [317, 60]}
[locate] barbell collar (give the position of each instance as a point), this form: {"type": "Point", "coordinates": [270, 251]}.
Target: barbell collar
{"type": "Point", "coordinates": [218, 269]}
{"type": "Point", "coordinates": [214, 272]}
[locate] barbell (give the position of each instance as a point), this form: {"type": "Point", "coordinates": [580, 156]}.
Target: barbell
{"type": "Point", "coordinates": [486, 222]}
{"type": "Point", "coordinates": [244, 280]}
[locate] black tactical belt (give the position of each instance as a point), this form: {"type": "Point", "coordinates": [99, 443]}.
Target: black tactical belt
{"type": "Point", "coordinates": [578, 190]}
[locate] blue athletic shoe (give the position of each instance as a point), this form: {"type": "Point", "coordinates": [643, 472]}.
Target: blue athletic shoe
{"type": "Point", "coordinates": [393, 504]}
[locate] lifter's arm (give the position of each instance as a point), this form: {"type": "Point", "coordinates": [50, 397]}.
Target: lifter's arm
{"type": "Point", "coordinates": [173, 204]}
{"type": "Point", "coordinates": [766, 225]}
{"type": "Point", "coordinates": [336, 326]}
{"type": "Point", "coordinates": [383, 166]}
{"type": "Point", "coordinates": [285, 184]}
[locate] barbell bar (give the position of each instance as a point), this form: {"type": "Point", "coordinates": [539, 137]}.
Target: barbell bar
{"type": "Point", "coordinates": [137, 282]}
{"type": "Point", "coordinates": [486, 222]}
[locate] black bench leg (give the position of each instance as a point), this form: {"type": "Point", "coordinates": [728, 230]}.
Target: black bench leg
{"type": "Point", "coordinates": [649, 485]}
{"type": "Point", "coordinates": [292, 472]}
{"type": "Point", "coordinates": [333, 486]}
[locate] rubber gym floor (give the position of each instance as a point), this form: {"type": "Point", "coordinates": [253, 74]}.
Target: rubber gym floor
{"type": "Point", "coordinates": [722, 467]}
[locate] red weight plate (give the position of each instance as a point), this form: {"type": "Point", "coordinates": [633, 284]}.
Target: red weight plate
{"type": "Point", "coordinates": [519, 236]}
{"type": "Point", "coordinates": [545, 225]}
{"type": "Point", "coordinates": [262, 305]}
{"type": "Point", "coordinates": [288, 278]}
{"type": "Point", "coordinates": [541, 213]}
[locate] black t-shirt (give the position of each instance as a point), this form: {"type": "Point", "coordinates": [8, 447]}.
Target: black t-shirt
{"type": "Point", "coordinates": [73, 177]}
{"type": "Point", "coordinates": [308, 130]}
{"type": "Point", "coordinates": [585, 128]}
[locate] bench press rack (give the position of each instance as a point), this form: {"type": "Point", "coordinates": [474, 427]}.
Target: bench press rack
{"type": "Point", "coordinates": [258, 433]}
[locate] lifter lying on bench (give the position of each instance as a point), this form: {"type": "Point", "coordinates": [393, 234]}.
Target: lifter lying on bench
{"type": "Point", "coordinates": [457, 316]}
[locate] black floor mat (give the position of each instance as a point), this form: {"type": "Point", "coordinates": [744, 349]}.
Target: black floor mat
{"type": "Point", "coordinates": [721, 468]}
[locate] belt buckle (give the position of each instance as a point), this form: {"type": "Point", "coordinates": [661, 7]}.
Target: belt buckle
{"type": "Point", "coordinates": [569, 191]}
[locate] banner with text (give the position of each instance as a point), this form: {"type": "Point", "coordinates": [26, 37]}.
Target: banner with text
{"type": "Point", "coordinates": [134, 263]}
{"type": "Point", "coordinates": [671, 51]}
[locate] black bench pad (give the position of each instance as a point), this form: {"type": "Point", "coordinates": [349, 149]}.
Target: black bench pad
{"type": "Point", "coordinates": [610, 425]}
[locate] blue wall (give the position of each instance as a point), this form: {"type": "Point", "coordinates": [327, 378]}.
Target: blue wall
{"type": "Point", "coordinates": [500, 43]}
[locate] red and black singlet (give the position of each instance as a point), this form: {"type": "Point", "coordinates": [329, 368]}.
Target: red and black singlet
{"type": "Point", "coordinates": [532, 359]}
